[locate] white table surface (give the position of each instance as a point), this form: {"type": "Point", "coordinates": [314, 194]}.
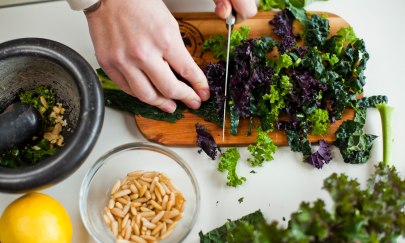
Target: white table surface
{"type": "Point", "coordinates": [279, 186]}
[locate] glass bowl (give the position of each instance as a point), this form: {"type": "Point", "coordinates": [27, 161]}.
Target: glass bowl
{"type": "Point", "coordinates": [115, 165]}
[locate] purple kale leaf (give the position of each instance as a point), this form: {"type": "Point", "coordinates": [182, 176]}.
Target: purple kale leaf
{"type": "Point", "coordinates": [206, 142]}
{"type": "Point", "coordinates": [283, 27]}
{"type": "Point", "coordinates": [306, 93]}
{"type": "Point", "coordinates": [249, 72]}
{"type": "Point", "coordinates": [215, 73]}
{"type": "Point", "coordinates": [320, 157]}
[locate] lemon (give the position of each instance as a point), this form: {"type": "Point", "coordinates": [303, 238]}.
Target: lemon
{"type": "Point", "coordinates": [35, 217]}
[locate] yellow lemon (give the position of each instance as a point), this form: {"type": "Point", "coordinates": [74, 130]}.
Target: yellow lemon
{"type": "Point", "coordinates": [35, 217]}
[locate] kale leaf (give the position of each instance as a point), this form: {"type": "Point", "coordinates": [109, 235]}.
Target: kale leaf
{"type": "Point", "coordinates": [220, 234]}
{"type": "Point", "coordinates": [319, 121]}
{"type": "Point", "coordinates": [283, 27]}
{"type": "Point", "coordinates": [115, 98]}
{"type": "Point", "coordinates": [218, 43]}
{"type": "Point", "coordinates": [372, 214]}
{"type": "Point", "coordinates": [317, 31]}
{"type": "Point", "coordinates": [263, 150]}
{"type": "Point", "coordinates": [321, 157]}
{"type": "Point", "coordinates": [206, 142]}
{"type": "Point", "coordinates": [354, 144]}
{"type": "Point", "coordinates": [228, 162]}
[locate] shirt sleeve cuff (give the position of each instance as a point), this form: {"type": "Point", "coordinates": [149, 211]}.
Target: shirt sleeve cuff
{"type": "Point", "coordinates": [80, 5]}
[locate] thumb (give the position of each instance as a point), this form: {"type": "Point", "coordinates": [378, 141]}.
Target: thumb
{"type": "Point", "coordinates": [223, 8]}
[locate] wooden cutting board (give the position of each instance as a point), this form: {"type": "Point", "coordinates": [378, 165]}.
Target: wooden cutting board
{"type": "Point", "coordinates": [195, 28]}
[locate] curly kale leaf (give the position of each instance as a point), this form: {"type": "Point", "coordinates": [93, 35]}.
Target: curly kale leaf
{"type": "Point", "coordinates": [372, 101]}
{"type": "Point", "coordinates": [228, 162]}
{"type": "Point", "coordinates": [283, 62]}
{"type": "Point", "coordinates": [306, 94]}
{"type": "Point", "coordinates": [283, 27]}
{"type": "Point", "coordinates": [249, 73]}
{"type": "Point", "coordinates": [372, 214]}
{"type": "Point", "coordinates": [354, 144]}
{"type": "Point", "coordinates": [321, 157]}
{"type": "Point", "coordinates": [263, 150]}
{"type": "Point", "coordinates": [267, 5]}
{"type": "Point", "coordinates": [223, 233]}
{"type": "Point", "coordinates": [218, 43]}
{"type": "Point", "coordinates": [319, 121]}
{"type": "Point", "coordinates": [352, 65]}
{"type": "Point", "coordinates": [298, 141]}
{"type": "Point", "coordinates": [206, 142]}
{"type": "Point", "coordinates": [332, 59]}
{"type": "Point", "coordinates": [317, 31]}
{"type": "Point", "coordinates": [313, 62]}
{"type": "Point", "coordinates": [336, 43]}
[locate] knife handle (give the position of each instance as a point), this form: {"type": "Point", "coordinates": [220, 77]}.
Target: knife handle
{"type": "Point", "coordinates": [231, 19]}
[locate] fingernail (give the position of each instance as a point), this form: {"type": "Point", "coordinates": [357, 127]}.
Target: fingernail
{"type": "Point", "coordinates": [195, 104]}
{"type": "Point", "coordinates": [204, 94]}
{"type": "Point", "coordinates": [169, 107]}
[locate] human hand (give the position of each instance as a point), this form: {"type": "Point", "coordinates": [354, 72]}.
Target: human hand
{"type": "Point", "coordinates": [136, 44]}
{"type": "Point", "coordinates": [244, 8]}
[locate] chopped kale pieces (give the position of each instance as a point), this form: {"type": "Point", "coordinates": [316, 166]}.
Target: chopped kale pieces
{"type": "Point", "coordinates": [228, 162]}
{"type": "Point", "coordinates": [206, 142]}
{"type": "Point", "coordinates": [283, 27]}
{"type": "Point", "coordinates": [263, 150]}
{"type": "Point", "coordinates": [38, 148]}
{"type": "Point", "coordinates": [321, 157]}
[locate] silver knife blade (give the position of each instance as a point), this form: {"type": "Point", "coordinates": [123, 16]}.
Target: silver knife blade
{"type": "Point", "coordinates": [230, 21]}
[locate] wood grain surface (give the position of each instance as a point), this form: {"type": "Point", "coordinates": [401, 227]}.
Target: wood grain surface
{"type": "Point", "coordinates": [195, 28]}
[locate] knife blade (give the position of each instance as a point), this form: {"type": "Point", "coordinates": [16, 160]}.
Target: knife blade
{"type": "Point", "coordinates": [230, 22]}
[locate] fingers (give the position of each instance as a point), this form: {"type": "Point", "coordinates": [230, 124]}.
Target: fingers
{"type": "Point", "coordinates": [223, 8]}
{"type": "Point", "coordinates": [244, 8]}
{"type": "Point", "coordinates": [162, 77]}
{"type": "Point", "coordinates": [182, 62]}
{"type": "Point", "coordinates": [141, 87]}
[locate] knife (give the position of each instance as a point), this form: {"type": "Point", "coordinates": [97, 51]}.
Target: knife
{"type": "Point", "coordinates": [230, 21]}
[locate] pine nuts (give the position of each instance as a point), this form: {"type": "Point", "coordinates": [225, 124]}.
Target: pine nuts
{"type": "Point", "coordinates": [144, 207]}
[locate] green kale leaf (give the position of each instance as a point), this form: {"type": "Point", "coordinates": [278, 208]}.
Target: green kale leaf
{"type": "Point", "coordinates": [336, 43]}
{"type": "Point", "coordinates": [115, 98]}
{"type": "Point", "coordinates": [228, 162]}
{"type": "Point", "coordinates": [218, 43]}
{"type": "Point", "coordinates": [317, 31]}
{"type": "Point", "coordinates": [372, 101]}
{"type": "Point", "coordinates": [298, 141]}
{"type": "Point", "coordinates": [372, 214]}
{"type": "Point", "coordinates": [222, 233]}
{"type": "Point", "coordinates": [263, 150]}
{"type": "Point", "coordinates": [319, 121]}
{"type": "Point", "coordinates": [284, 61]}
{"type": "Point", "coordinates": [354, 144]}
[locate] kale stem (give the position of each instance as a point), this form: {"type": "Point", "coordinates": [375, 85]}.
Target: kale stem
{"type": "Point", "coordinates": [105, 81]}
{"type": "Point", "coordinates": [386, 114]}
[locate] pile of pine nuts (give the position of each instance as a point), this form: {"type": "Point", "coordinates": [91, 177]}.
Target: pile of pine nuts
{"type": "Point", "coordinates": [53, 133]}
{"type": "Point", "coordinates": [144, 207]}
